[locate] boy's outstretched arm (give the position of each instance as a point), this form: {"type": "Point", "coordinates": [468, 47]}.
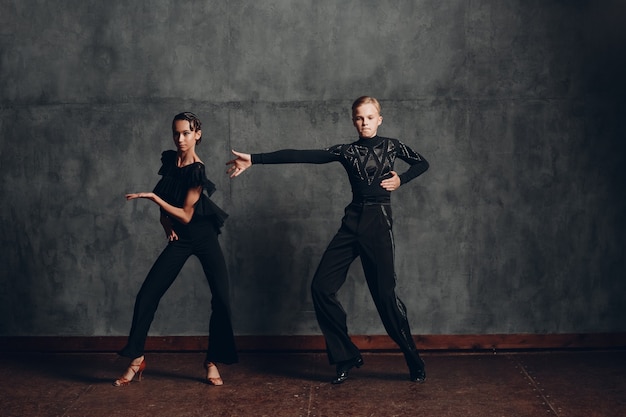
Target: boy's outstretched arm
{"type": "Point", "coordinates": [239, 164]}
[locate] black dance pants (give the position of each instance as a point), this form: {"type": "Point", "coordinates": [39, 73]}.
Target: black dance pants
{"type": "Point", "coordinates": [198, 238]}
{"type": "Point", "coordinates": [365, 232]}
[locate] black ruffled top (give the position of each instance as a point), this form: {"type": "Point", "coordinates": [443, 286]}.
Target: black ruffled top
{"type": "Point", "coordinates": [175, 183]}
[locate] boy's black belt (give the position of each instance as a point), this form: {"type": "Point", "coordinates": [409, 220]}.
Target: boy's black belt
{"type": "Point", "coordinates": [370, 201]}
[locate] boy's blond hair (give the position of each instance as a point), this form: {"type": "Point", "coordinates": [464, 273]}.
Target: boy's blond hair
{"type": "Point", "coordinates": [365, 100]}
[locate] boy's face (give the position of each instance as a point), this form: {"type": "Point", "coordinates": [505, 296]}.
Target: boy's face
{"type": "Point", "coordinates": [366, 120]}
{"type": "Point", "coordinates": [185, 138]}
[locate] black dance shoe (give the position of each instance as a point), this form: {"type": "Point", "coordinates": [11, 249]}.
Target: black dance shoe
{"type": "Point", "coordinates": [417, 373]}
{"type": "Point", "coordinates": [344, 367]}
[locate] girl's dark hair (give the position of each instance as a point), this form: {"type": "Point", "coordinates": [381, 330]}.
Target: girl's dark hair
{"type": "Point", "coordinates": [194, 123]}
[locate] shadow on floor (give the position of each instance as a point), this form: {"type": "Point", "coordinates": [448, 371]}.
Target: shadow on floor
{"type": "Point", "coordinates": [507, 384]}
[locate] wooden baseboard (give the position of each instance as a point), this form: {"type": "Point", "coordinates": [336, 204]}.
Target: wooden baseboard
{"type": "Point", "coordinates": [315, 343]}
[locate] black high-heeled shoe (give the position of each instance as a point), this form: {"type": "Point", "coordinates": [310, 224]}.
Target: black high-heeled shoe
{"type": "Point", "coordinates": [343, 368]}
{"type": "Point", "coordinates": [136, 370]}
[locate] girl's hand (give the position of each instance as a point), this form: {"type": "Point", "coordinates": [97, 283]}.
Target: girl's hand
{"type": "Point", "coordinates": [172, 236]}
{"type": "Point", "coordinates": [133, 196]}
{"type": "Point", "coordinates": [242, 162]}
{"type": "Point", "coordinates": [168, 228]}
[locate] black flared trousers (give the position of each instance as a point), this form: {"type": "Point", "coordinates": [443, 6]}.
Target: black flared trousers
{"type": "Point", "coordinates": [365, 232]}
{"type": "Point", "coordinates": [198, 238]}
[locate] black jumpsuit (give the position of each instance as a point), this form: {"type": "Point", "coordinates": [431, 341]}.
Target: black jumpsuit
{"type": "Point", "coordinates": [200, 238]}
{"type": "Point", "coordinates": [365, 232]}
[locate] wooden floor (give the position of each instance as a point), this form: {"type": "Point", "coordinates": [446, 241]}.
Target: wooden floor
{"type": "Point", "coordinates": [553, 383]}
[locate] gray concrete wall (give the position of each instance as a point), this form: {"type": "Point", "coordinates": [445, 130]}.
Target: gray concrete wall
{"type": "Point", "coordinates": [518, 227]}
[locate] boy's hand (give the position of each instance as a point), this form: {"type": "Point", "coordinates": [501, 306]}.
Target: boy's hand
{"type": "Point", "coordinates": [242, 162]}
{"type": "Point", "coordinates": [392, 183]}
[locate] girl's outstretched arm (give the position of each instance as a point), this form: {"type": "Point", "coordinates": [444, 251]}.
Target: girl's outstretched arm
{"type": "Point", "coordinates": [182, 214]}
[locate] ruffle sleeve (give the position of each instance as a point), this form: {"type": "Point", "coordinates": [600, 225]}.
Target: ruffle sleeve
{"type": "Point", "coordinates": [197, 176]}
{"type": "Point", "coordinates": [168, 160]}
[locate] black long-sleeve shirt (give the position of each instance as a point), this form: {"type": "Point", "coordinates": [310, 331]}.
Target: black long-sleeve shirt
{"type": "Point", "coordinates": [367, 161]}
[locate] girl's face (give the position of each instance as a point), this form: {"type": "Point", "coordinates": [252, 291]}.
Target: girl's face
{"type": "Point", "coordinates": [185, 138]}
{"type": "Point", "coordinates": [366, 120]}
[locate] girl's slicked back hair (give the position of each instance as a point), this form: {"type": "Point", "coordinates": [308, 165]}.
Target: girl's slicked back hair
{"type": "Point", "coordinates": [194, 122]}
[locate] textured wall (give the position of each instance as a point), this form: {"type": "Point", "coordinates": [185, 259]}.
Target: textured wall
{"type": "Point", "coordinates": [518, 227]}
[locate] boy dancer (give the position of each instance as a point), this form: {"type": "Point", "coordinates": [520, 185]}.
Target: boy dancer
{"type": "Point", "coordinates": [365, 232]}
